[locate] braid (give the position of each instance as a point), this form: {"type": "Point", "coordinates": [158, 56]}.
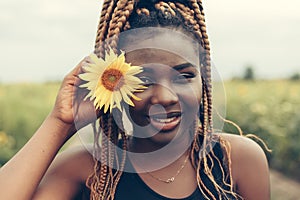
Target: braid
{"type": "Point", "coordinates": [111, 156]}
{"type": "Point", "coordinates": [97, 181]}
{"type": "Point", "coordinates": [118, 129]}
{"type": "Point", "coordinates": [201, 20]}
{"type": "Point", "coordinates": [199, 17]}
{"type": "Point", "coordinates": [122, 15]}
{"type": "Point", "coordinates": [119, 18]}
{"type": "Point", "coordinates": [102, 28]}
{"type": "Point", "coordinates": [166, 9]}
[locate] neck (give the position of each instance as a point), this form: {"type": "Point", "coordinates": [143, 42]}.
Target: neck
{"type": "Point", "coordinates": [155, 143]}
{"type": "Point", "coordinates": [144, 145]}
{"type": "Point", "coordinates": [165, 160]}
{"type": "Point", "coordinates": [149, 155]}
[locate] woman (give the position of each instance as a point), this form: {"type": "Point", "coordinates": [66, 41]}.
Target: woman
{"type": "Point", "coordinates": [173, 152]}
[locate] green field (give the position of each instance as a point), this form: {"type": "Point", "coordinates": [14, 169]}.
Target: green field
{"type": "Point", "coordinates": [270, 109]}
{"type": "Point", "coordinates": [22, 109]}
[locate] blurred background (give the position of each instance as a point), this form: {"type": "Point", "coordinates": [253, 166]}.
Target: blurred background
{"type": "Point", "coordinates": [254, 48]}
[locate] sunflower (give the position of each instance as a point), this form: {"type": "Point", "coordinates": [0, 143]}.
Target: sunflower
{"type": "Point", "coordinates": [111, 80]}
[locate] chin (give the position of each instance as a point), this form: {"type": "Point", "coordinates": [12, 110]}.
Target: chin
{"type": "Point", "coordinates": [164, 138]}
{"type": "Point", "coordinates": [179, 136]}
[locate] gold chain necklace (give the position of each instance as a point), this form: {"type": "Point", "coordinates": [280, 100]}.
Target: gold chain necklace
{"type": "Point", "coordinates": [172, 179]}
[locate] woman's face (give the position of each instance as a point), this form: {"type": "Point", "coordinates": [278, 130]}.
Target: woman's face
{"type": "Point", "coordinates": [171, 101]}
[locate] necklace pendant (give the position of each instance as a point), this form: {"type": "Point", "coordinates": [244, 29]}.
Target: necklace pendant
{"type": "Point", "coordinates": [170, 180]}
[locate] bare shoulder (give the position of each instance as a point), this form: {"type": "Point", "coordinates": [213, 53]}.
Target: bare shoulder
{"type": "Point", "coordinates": [66, 174]}
{"type": "Point", "coordinates": [249, 166]}
{"type": "Point", "coordinates": [244, 148]}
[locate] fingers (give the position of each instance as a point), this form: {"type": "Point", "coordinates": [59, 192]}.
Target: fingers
{"type": "Point", "coordinates": [85, 62]}
{"type": "Point", "coordinates": [80, 67]}
{"type": "Point", "coordinates": [73, 76]}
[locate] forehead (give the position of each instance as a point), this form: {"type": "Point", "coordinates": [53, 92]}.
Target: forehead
{"type": "Point", "coordinates": [157, 44]}
{"type": "Point", "coordinates": [152, 56]}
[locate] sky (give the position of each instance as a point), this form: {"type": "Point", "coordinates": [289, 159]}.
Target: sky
{"type": "Point", "coordinates": [41, 40]}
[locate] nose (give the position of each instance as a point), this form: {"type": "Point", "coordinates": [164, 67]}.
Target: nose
{"type": "Point", "coordinates": [164, 96]}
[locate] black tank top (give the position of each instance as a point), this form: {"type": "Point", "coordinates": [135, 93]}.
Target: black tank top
{"type": "Point", "coordinates": [132, 187]}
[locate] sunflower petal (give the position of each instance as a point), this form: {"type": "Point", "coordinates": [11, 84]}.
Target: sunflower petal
{"type": "Point", "coordinates": [126, 98]}
{"type": "Point", "coordinates": [118, 99]}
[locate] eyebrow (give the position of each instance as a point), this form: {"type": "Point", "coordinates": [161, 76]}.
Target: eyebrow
{"type": "Point", "coordinates": [176, 67]}
{"type": "Point", "coordinates": [183, 66]}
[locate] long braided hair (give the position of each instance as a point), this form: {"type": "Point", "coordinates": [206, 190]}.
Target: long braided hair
{"type": "Point", "coordinates": [121, 15]}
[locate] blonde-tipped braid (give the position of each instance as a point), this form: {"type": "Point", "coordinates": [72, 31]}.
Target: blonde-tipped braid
{"type": "Point", "coordinates": [103, 181]}
{"type": "Point", "coordinates": [109, 35]}
{"type": "Point", "coordinates": [115, 18]}
{"type": "Point", "coordinates": [119, 18]}
{"type": "Point", "coordinates": [106, 12]}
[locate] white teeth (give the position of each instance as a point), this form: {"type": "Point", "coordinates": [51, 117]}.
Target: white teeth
{"type": "Point", "coordinates": [165, 120]}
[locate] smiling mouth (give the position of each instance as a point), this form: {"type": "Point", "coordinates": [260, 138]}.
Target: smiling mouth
{"type": "Point", "coordinates": [165, 122]}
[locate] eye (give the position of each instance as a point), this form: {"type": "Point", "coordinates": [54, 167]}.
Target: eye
{"type": "Point", "coordinates": [147, 80]}
{"type": "Point", "coordinates": [184, 77]}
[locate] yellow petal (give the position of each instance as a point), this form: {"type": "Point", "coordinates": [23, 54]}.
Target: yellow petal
{"type": "Point", "coordinates": [129, 93]}
{"type": "Point", "coordinates": [88, 76]}
{"type": "Point", "coordinates": [136, 98]}
{"type": "Point", "coordinates": [93, 68]}
{"type": "Point", "coordinates": [95, 59]}
{"type": "Point", "coordinates": [126, 98]}
{"type": "Point", "coordinates": [133, 70]}
{"type": "Point", "coordinates": [106, 98]}
{"type": "Point", "coordinates": [118, 99]}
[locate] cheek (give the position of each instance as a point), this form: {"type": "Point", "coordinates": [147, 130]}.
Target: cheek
{"type": "Point", "coordinates": [145, 98]}
{"type": "Point", "coordinates": [191, 100]}
{"type": "Point", "coordinates": [190, 95]}
{"type": "Point", "coordinates": [139, 110]}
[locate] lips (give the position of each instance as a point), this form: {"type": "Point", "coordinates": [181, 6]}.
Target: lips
{"type": "Point", "coordinates": [165, 122]}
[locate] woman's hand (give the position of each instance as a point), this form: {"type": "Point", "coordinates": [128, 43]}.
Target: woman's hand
{"type": "Point", "coordinates": [70, 107]}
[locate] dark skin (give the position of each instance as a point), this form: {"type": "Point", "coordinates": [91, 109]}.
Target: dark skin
{"type": "Point", "coordinates": [170, 91]}
{"type": "Point", "coordinates": [35, 174]}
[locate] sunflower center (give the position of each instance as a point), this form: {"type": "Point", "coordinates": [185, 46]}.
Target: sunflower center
{"type": "Point", "coordinates": [112, 79]}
